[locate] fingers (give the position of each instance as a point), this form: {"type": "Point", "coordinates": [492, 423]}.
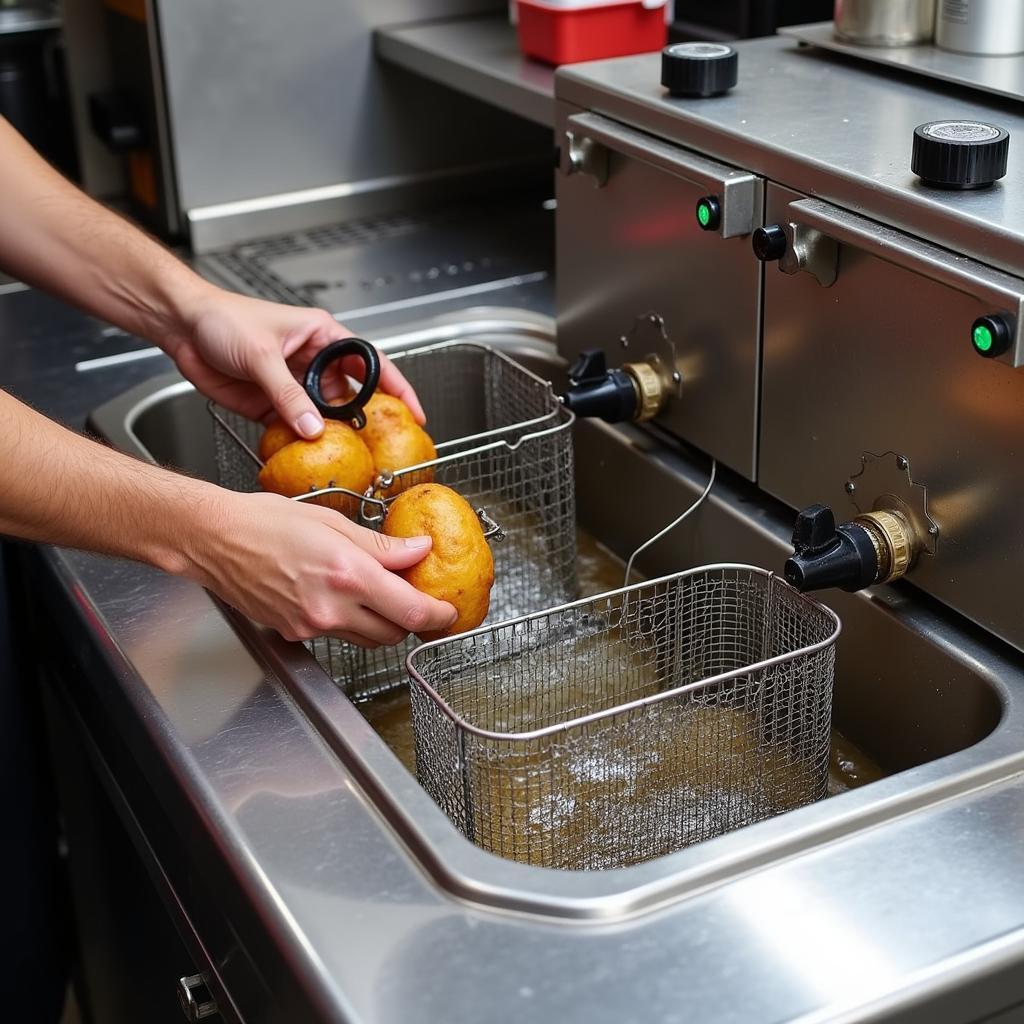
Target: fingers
{"type": "Point", "coordinates": [373, 628]}
{"type": "Point", "coordinates": [394, 553]}
{"type": "Point", "coordinates": [287, 395]}
{"type": "Point", "coordinates": [399, 602]}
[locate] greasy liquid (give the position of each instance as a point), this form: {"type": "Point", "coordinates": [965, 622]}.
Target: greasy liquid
{"type": "Point", "coordinates": [716, 736]}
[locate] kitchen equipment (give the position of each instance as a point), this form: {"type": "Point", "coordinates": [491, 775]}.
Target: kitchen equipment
{"type": "Point", "coordinates": [885, 22]}
{"type": "Point", "coordinates": [504, 442]}
{"type": "Point", "coordinates": [567, 31]}
{"type": "Point", "coordinates": [984, 27]}
{"type": "Point", "coordinates": [624, 727]}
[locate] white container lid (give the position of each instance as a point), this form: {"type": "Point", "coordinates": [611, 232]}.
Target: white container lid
{"type": "Point", "coordinates": [581, 5]}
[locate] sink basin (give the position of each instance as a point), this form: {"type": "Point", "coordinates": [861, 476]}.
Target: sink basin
{"type": "Point", "coordinates": [933, 703]}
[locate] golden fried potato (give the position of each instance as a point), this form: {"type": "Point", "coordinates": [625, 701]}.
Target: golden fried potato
{"type": "Point", "coordinates": [396, 441]}
{"type": "Point", "coordinates": [337, 458]}
{"type": "Point", "coordinates": [459, 568]}
{"type": "Point", "coordinates": [275, 437]}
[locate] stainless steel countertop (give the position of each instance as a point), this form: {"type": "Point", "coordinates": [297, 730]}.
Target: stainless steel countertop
{"type": "Point", "coordinates": [845, 135]}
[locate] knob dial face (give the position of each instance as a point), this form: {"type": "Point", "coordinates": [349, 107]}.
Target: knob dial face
{"type": "Point", "coordinates": [709, 213]}
{"type": "Point", "coordinates": [992, 335]}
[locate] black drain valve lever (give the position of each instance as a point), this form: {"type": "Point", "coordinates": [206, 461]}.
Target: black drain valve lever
{"type": "Point", "coordinates": [876, 547]}
{"type": "Point", "coordinates": [632, 392]}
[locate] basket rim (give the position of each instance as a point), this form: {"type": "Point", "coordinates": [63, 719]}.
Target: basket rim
{"type": "Point", "coordinates": [618, 709]}
{"type": "Point", "coordinates": [565, 416]}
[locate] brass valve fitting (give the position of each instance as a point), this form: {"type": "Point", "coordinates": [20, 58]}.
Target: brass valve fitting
{"type": "Point", "coordinates": [895, 541]}
{"type": "Point", "coordinates": [650, 390]}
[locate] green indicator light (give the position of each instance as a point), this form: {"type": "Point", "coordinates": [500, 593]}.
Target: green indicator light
{"type": "Point", "coordinates": [983, 340]}
{"type": "Point", "coordinates": [703, 215]}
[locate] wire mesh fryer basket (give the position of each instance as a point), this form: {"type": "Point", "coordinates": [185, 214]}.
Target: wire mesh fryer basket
{"type": "Point", "coordinates": [504, 442]}
{"type": "Point", "coordinates": [627, 726]}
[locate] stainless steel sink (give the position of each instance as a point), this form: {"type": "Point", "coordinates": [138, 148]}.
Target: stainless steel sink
{"type": "Point", "coordinates": [929, 700]}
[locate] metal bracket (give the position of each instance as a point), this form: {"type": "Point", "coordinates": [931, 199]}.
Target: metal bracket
{"type": "Point", "coordinates": [648, 339]}
{"type": "Point", "coordinates": [585, 156]}
{"type": "Point", "coordinates": [810, 250]}
{"type": "Point", "coordinates": [885, 482]}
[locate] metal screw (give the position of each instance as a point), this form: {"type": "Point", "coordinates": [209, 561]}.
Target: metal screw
{"type": "Point", "coordinates": [624, 341]}
{"type": "Point", "coordinates": [901, 462]}
{"type": "Point", "coordinates": [850, 487]}
{"type": "Point", "coordinates": [933, 530]}
{"type": "Point", "coordinates": [677, 377]}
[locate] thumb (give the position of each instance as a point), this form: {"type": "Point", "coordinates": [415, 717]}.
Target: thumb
{"type": "Point", "coordinates": [394, 553]}
{"type": "Point", "coordinates": [288, 396]}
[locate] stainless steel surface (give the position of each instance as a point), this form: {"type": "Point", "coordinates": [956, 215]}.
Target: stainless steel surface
{"type": "Point", "coordinates": [627, 726]}
{"type": "Point", "coordinates": [632, 249]}
{"type": "Point", "coordinates": [847, 140]}
{"type": "Point", "coordinates": [885, 22]}
{"type": "Point", "coordinates": [397, 264]}
{"type": "Point", "coordinates": [985, 27]}
{"type": "Point", "coordinates": [739, 194]}
{"type": "Point", "coordinates": [504, 442]}
{"type": "Point", "coordinates": [479, 56]}
{"type": "Point", "coordinates": [1002, 76]}
{"type": "Point", "coordinates": [991, 290]}
{"type": "Point", "coordinates": [296, 102]}
{"type": "Point", "coordinates": [882, 362]}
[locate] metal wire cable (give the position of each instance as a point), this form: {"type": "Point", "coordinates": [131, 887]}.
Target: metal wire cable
{"type": "Point", "coordinates": [671, 526]}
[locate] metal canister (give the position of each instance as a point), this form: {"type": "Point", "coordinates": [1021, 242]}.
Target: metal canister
{"type": "Point", "coordinates": [989, 27]}
{"type": "Point", "coordinates": [885, 22]}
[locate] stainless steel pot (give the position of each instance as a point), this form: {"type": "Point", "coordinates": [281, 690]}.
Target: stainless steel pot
{"type": "Point", "coordinates": [885, 22]}
{"type": "Point", "coordinates": [990, 27]}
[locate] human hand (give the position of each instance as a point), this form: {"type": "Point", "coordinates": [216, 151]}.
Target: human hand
{"type": "Point", "coordinates": [247, 354]}
{"type": "Point", "coordinates": [308, 571]}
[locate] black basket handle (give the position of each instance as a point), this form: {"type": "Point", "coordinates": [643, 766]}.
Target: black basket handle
{"type": "Point", "coordinates": [352, 410]}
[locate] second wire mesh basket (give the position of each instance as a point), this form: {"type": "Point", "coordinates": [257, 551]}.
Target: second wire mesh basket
{"type": "Point", "coordinates": [623, 727]}
{"type": "Point", "coordinates": [504, 442]}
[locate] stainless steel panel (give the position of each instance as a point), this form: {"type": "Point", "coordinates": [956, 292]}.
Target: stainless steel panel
{"type": "Point", "coordinates": [1002, 77]}
{"type": "Point", "coordinates": [882, 361]}
{"type": "Point", "coordinates": [269, 99]}
{"type": "Point", "coordinates": [835, 130]}
{"type": "Point", "coordinates": [631, 247]}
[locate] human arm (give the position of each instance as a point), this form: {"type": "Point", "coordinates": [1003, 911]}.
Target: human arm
{"type": "Point", "coordinates": [305, 571]}
{"type": "Point", "coordinates": [243, 352]}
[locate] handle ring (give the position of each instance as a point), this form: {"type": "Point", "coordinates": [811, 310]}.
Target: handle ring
{"type": "Point", "coordinates": [353, 409]}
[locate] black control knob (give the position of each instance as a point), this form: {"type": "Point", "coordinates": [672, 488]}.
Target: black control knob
{"type": "Point", "coordinates": [826, 555]}
{"type": "Point", "coordinates": [699, 69]}
{"type": "Point", "coordinates": [992, 335]}
{"type": "Point", "coordinates": [770, 243]}
{"type": "Point", "coordinates": [960, 154]}
{"type": "Point", "coordinates": [594, 390]}
{"type": "Point", "coordinates": [709, 213]}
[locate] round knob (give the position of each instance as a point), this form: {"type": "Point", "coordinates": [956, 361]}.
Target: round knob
{"type": "Point", "coordinates": [960, 154]}
{"type": "Point", "coordinates": [992, 335]}
{"type": "Point", "coordinates": [709, 213]}
{"type": "Point", "coordinates": [699, 69]}
{"type": "Point", "coordinates": [770, 243]}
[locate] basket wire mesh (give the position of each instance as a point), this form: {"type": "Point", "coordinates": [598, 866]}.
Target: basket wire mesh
{"type": "Point", "coordinates": [504, 442]}
{"type": "Point", "coordinates": [623, 727]}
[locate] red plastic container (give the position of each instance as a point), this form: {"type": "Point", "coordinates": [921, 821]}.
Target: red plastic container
{"type": "Point", "coordinates": [567, 31]}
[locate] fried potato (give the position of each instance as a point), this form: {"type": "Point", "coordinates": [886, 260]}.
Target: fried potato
{"type": "Point", "coordinates": [459, 568]}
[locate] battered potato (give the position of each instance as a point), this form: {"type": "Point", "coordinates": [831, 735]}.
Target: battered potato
{"type": "Point", "coordinates": [337, 458]}
{"type": "Point", "coordinates": [459, 568]}
{"type": "Point", "coordinates": [397, 441]}
{"type": "Point", "coordinates": [275, 437]}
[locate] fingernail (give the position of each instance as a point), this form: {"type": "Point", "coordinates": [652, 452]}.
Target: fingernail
{"type": "Point", "coordinates": [417, 542]}
{"type": "Point", "coordinates": [309, 424]}
{"type": "Point", "coordinates": [455, 615]}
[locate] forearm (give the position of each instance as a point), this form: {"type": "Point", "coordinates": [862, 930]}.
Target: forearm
{"type": "Point", "coordinates": [57, 238]}
{"type": "Point", "coordinates": [61, 488]}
